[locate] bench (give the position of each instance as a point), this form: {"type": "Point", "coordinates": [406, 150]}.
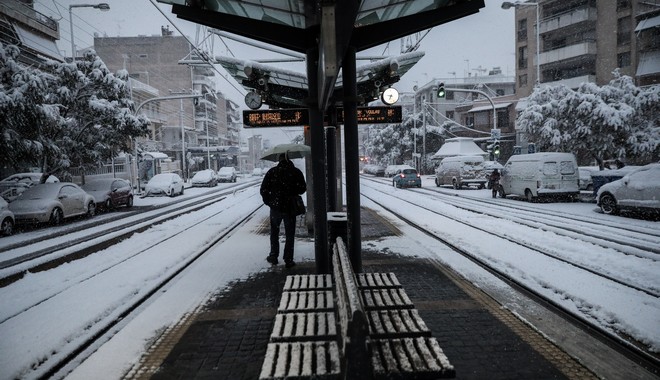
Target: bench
{"type": "Point", "coordinates": [367, 329]}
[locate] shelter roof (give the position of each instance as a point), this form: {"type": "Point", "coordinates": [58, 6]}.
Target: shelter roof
{"type": "Point", "coordinates": [459, 146]}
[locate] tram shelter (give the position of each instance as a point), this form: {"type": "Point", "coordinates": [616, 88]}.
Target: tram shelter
{"type": "Point", "coordinates": [328, 33]}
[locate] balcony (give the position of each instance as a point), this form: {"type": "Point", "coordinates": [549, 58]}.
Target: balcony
{"type": "Point", "coordinates": [28, 16]}
{"type": "Point", "coordinates": [573, 83]}
{"type": "Point", "coordinates": [568, 52]}
{"type": "Point", "coordinates": [567, 19]}
{"type": "Point", "coordinates": [203, 80]}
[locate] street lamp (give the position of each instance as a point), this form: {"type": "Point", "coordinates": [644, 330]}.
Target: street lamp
{"type": "Point", "coordinates": [508, 5]}
{"type": "Point", "coordinates": [101, 6]}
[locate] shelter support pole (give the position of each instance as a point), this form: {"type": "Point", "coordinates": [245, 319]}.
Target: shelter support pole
{"type": "Point", "coordinates": [352, 159]}
{"type": "Point", "coordinates": [331, 148]}
{"type": "Point", "coordinates": [318, 166]}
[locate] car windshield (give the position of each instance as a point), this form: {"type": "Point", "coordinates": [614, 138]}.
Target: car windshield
{"type": "Point", "coordinates": [161, 178]}
{"type": "Point", "coordinates": [96, 186]}
{"type": "Point", "coordinates": [40, 192]}
{"type": "Point", "coordinates": [409, 171]}
{"type": "Point", "coordinates": [226, 170]}
{"type": "Point", "coordinates": [203, 175]}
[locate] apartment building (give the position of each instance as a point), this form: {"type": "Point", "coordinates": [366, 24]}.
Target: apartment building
{"type": "Point", "coordinates": [154, 60]}
{"type": "Point", "coordinates": [585, 41]}
{"type": "Point", "coordinates": [33, 32]}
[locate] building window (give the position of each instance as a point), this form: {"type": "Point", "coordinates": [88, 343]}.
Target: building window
{"type": "Point", "coordinates": [450, 95]}
{"type": "Point", "coordinates": [522, 30]}
{"type": "Point", "coordinates": [450, 115]}
{"type": "Point", "coordinates": [622, 4]}
{"type": "Point", "coordinates": [623, 31]}
{"type": "Point", "coordinates": [522, 57]}
{"type": "Point", "coordinates": [623, 59]}
{"type": "Point", "coordinates": [522, 80]}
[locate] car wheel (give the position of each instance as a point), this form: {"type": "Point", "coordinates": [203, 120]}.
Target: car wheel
{"type": "Point", "coordinates": [7, 227]}
{"type": "Point", "coordinates": [608, 204]}
{"type": "Point", "coordinates": [108, 204]}
{"type": "Point", "coordinates": [529, 196]}
{"type": "Point", "coordinates": [171, 193]}
{"type": "Point", "coordinates": [437, 183]}
{"type": "Point", "coordinates": [56, 216]}
{"type": "Point", "coordinates": [91, 208]}
{"type": "Point", "coordinates": [181, 193]}
{"type": "Point", "coordinates": [129, 201]}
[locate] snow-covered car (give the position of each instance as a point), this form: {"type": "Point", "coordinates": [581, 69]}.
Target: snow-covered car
{"type": "Point", "coordinates": [206, 177]}
{"type": "Point", "coordinates": [407, 178]}
{"type": "Point", "coordinates": [164, 184]}
{"type": "Point", "coordinates": [227, 174]}
{"type": "Point", "coordinates": [637, 191]}
{"type": "Point", "coordinates": [52, 203]}
{"type": "Point", "coordinates": [31, 178]}
{"type": "Point", "coordinates": [257, 172]}
{"type": "Point", "coordinates": [6, 219]}
{"type": "Point", "coordinates": [393, 170]}
{"type": "Point", "coordinates": [585, 181]}
{"type": "Point", "coordinates": [12, 186]}
{"type": "Point", "coordinates": [110, 192]}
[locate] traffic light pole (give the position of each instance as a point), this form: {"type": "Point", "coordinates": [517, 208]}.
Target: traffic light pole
{"type": "Point", "coordinates": [481, 93]}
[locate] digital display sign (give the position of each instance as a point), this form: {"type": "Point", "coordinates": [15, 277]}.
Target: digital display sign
{"type": "Point", "coordinates": [374, 115]}
{"type": "Point", "coordinates": [276, 118]}
{"type": "Point", "coordinates": [300, 116]}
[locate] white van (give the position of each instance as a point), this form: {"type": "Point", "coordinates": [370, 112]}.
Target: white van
{"type": "Point", "coordinates": [460, 171]}
{"type": "Point", "coordinates": [536, 175]}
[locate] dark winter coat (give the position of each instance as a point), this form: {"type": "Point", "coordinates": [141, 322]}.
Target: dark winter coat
{"type": "Point", "coordinates": [281, 185]}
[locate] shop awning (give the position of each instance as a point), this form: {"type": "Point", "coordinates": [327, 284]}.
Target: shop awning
{"type": "Point", "coordinates": [489, 107]}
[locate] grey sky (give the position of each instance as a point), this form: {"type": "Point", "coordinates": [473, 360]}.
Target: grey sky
{"type": "Point", "coordinates": [484, 40]}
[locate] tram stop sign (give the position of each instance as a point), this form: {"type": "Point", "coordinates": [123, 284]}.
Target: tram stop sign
{"type": "Point", "coordinates": [495, 134]}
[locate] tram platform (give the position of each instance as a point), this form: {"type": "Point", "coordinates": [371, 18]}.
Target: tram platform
{"type": "Point", "coordinates": [227, 338]}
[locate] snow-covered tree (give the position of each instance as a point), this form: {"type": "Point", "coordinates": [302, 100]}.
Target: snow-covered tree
{"type": "Point", "coordinates": [617, 120]}
{"type": "Point", "coordinates": [69, 114]}
{"type": "Point", "coordinates": [96, 112]}
{"type": "Point", "coordinates": [28, 117]}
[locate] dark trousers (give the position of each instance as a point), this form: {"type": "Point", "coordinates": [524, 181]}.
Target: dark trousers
{"type": "Point", "coordinates": [276, 218]}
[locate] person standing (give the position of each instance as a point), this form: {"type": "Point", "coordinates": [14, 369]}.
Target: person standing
{"type": "Point", "coordinates": [495, 182]}
{"type": "Point", "coordinates": [279, 189]}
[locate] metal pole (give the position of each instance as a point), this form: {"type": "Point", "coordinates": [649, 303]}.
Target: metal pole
{"type": "Point", "coordinates": [352, 159]}
{"type": "Point", "coordinates": [183, 143]}
{"type": "Point", "coordinates": [424, 136]}
{"type": "Point", "coordinates": [73, 46]}
{"type": "Point", "coordinates": [415, 133]}
{"type": "Point", "coordinates": [206, 121]}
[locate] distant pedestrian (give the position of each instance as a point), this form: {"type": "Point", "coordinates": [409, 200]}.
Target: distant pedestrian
{"type": "Point", "coordinates": [494, 180]}
{"type": "Point", "coordinates": [279, 190]}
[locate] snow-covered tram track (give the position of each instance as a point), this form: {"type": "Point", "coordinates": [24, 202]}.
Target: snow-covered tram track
{"type": "Point", "coordinates": [45, 253]}
{"type": "Point", "coordinates": [161, 253]}
{"type": "Point", "coordinates": [556, 283]}
{"type": "Point", "coordinates": [560, 251]}
{"type": "Point", "coordinates": [641, 242]}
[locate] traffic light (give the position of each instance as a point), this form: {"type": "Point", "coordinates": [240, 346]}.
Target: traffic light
{"type": "Point", "coordinates": [441, 90]}
{"type": "Point", "coordinates": [496, 149]}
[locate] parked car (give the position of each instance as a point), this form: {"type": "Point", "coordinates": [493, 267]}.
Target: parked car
{"type": "Point", "coordinates": [638, 190]}
{"type": "Point", "coordinates": [541, 175]}
{"type": "Point", "coordinates": [407, 178]}
{"type": "Point", "coordinates": [257, 172]}
{"type": "Point", "coordinates": [602, 177]}
{"type": "Point", "coordinates": [31, 178]}
{"type": "Point", "coordinates": [375, 170]}
{"type": "Point", "coordinates": [169, 184]}
{"type": "Point", "coordinates": [460, 171]}
{"type": "Point", "coordinates": [110, 192]}
{"type": "Point", "coordinates": [12, 186]}
{"type": "Point", "coordinates": [586, 182]}
{"type": "Point", "coordinates": [52, 203]}
{"type": "Point", "coordinates": [7, 220]}
{"type": "Point", "coordinates": [207, 177]}
{"type": "Point", "coordinates": [227, 174]}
